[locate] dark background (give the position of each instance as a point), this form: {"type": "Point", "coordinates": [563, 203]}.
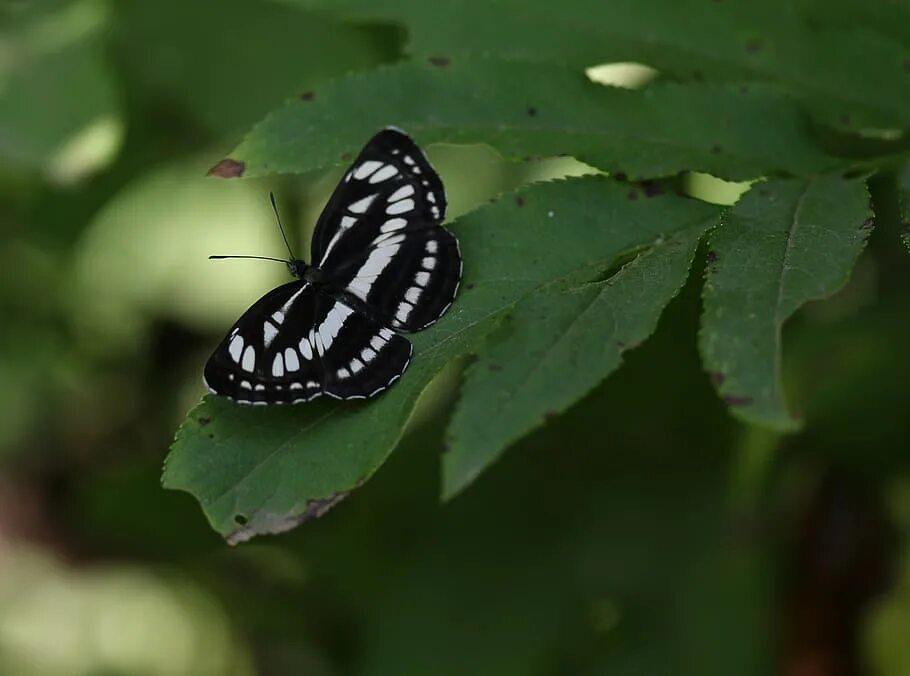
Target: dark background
{"type": "Point", "coordinates": [644, 532]}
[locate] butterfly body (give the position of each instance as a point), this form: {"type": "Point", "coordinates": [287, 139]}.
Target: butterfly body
{"type": "Point", "coordinates": [382, 264]}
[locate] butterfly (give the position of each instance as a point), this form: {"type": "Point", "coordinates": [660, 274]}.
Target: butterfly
{"type": "Point", "coordinates": [382, 265]}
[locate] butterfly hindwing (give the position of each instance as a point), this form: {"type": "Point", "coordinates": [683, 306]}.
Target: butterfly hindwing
{"type": "Point", "coordinates": [369, 358]}
{"type": "Point", "coordinates": [268, 356]}
{"type": "Point", "coordinates": [296, 343]}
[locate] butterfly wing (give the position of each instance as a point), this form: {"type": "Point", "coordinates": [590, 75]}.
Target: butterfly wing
{"type": "Point", "coordinates": [379, 237]}
{"type": "Point", "coordinates": [295, 343]}
{"type": "Point", "coordinates": [389, 164]}
{"type": "Point", "coordinates": [268, 356]}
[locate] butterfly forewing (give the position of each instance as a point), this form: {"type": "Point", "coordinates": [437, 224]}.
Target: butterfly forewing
{"type": "Point", "coordinates": [383, 264]}
{"type": "Point", "coordinates": [379, 238]}
{"type": "Point", "coordinates": [390, 185]}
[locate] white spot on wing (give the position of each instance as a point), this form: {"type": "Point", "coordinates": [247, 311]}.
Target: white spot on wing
{"type": "Point", "coordinates": [404, 309]}
{"type": "Point", "coordinates": [268, 333]}
{"type": "Point", "coordinates": [278, 366]}
{"type": "Point", "coordinates": [236, 348]}
{"type": "Point", "coordinates": [361, 205]}
{"type": "Point", "coordinates": [432, 246]}
{"type": "Point", "coordinates": [387, 172]}
{"type": "Point", "coordinates": [306, 349]}
{"type": "Point", "coordinates": [409, 160]}
{"type": "Point", "coordinates": [356, 365]}
{"type": "Point", "coordinates": [296, 386]}
{"type": "Point", "coordinates": [402, 207]}
{"type": "Point", "coordinates": [412, 294]}
{"type": "Point", "coordinates": [422, 278]}
{"type": "Point", "coordinates": [332, 324]}
{"type": "Point", "coordinates": [393, 224]}
{"type": "Point", "coordinates": [401, 193]}
{"type": "Point", "coordinates": [249, 359]}
{"type": "Point", "coordinates": [290, 359]}
{"type": "Point", "coordinates": [367, 355]}
{"type": "Point", "coordinates": [343, 373]}
{"type": "Point", "coordinates": [372, 267]}
{"type": "Point", "coordinates": [347, 221]}
{"type": "Point", "coordinates": [366, 169]}
{"type": "Point", "coordinates": [429, 262]}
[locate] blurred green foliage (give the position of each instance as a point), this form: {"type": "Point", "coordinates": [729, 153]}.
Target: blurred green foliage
{"type": "Point", "coordinates": [628, 525]}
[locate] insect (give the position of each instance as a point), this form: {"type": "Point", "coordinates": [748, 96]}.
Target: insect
{"type": "Point", "coordinates": [382, 265]}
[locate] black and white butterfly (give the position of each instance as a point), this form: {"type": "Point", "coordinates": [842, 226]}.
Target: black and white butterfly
{"type": "Point", "coordinates": [382, 264]}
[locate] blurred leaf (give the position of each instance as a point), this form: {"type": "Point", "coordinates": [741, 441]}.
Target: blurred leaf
{"type": "Point", "coordinates": [849, 75]}
{"type": "Point", "coordinates": [572, 336]}
{"type": "Point", "coordinates": [526, 109]}
{"type": "Point", "coordinates": [48, 101]}
{"type": "Point", "coordinates": [783, 244]}
{"type": "Point", "coordinates": [228, 62]}
{"type": "Point", "coordinates": [259, 470]}
{"type": "Point", "coordinates": [165, 224]}
{"type": "Point", "coordinates": [903, 195]}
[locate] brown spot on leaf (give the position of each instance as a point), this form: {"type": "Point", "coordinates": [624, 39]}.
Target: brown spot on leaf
{"type": "Point", "coordinates": [550, 415]}
{"type": "Point", "coordinates": [845, 119]}
{"type": "Point", "coordinates": [519, 200]}
{"type": "Point", "coordinates": [203, 420]}
{"type": "Point", "coordinates": [754, 45]}
{"type": "Point", "coordinates": [308, 96]}
{"type": "Point", "coordinates": [532, 111]}
{"type": "Point", "coordinates": [440, 61]}
{"type": "Point", "coordinates": [620, 175]}
{"type": "Point", "coordinates": [744, 89]}
{"type": "Point", "coordinates": [737, 400]}
{"type": "Point", "coordinates": [469, 286]}
{"type": "Point", "coordinates": [711, 256]}
{"type": "Point", "coordinates": [716, 149]}
{"type": "Point", "coordinates": [632, 194]}
{"type": "Point", "coordinates": [227, 168]}
{"type": "Point", "coordinates": [346, 157]}
{"type": "Point", "coordinates": [717, 377]}
{"type": "Point", "coordinates": [495, 367]}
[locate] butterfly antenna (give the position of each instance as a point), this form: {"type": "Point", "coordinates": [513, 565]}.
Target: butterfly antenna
{"type": "Point", "coordinates": [280, 226]}
{"type": "Point", "coordinates": [258, 258]}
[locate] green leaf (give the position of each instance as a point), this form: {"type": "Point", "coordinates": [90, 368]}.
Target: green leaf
{"type": "Point", "coordinates": [903, 195]}
{"type": "Point", "coordinates": [257, 55]}
{"type": "Point", "coordinates": [527, 109]}
{"type": "Point", "coordinates": [278, 466]}
{"type": "Point", "coordinates": [783, 244]}
{"type": "Point", "coordinates": [849, 74]}
{"type": "Point", "coordinates": [48, 100]}
{"type": "Point", "coordinates": [572, 336]}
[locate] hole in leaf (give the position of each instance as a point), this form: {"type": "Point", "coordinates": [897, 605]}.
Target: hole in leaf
{"type": "Point", "coordinates": [240, 519]}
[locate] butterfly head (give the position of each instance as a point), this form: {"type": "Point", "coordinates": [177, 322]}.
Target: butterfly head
{"type": "Point", "coordinates": [298, 268]}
